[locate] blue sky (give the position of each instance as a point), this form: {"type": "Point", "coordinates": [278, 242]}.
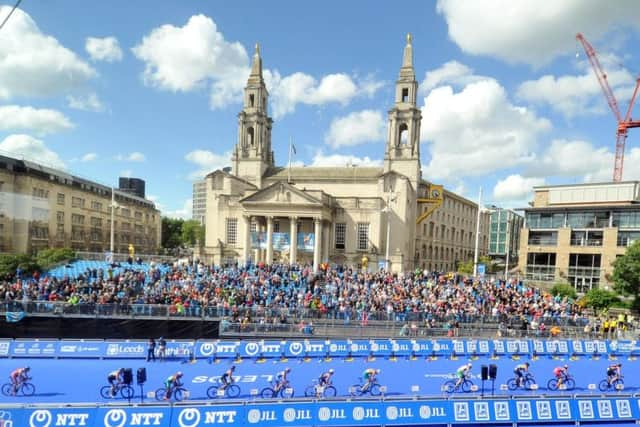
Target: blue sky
{"type": "Point", "coordinates": [151, 89]}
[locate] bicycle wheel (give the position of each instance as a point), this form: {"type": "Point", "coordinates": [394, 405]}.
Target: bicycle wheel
{"type": "Point", "coordinates": [570, 383]}
{"type": "Point", "coordinates": [160, 393]}
{"type": "Point", "coordinates": [178, 394]}
{"type": "Point", "coordinates": [355, 390]}
{"type": "Point", "coordinates": [126, 392]}
{"type": "Point", "coordinates": [375, 390]}
{"type": "Point", "coordinates": [7, 389]}
{"type": "Point", "coordinates": [233, 391]}
{"type": "Point", "coordinates": [267, 393]}
{"type": "Point", "coordinates": [28, 389]}
{"type": "Point", "coordinates": [212, 392]}
{"type": "Point", "coordinates": [287, 392]}
{"type": "Point", "coordinates": [552, 384]}
{"type": "Point", "coordinates": [466, 386]}
{"type": "Point", "coordinates": [528, 383]}
{"type": "Point", "coordinates": [618, 383]}
{"type": "Point", "coordinates": [512, 384]}
{"type": "Point", "coordinates": [449, 386]}
{"type": "Point", "coordinates": [105, 392]}
{"type": "Point", "coordinates": [603, 385]}
{"type": "Point", "coordinates": [329, 391]}
{"type": "Point", "coordinates": [310, 391]}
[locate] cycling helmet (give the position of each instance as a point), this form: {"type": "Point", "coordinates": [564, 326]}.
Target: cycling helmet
{"type": "Point", "coordinates": [233, 367]}
{"type": "Point", "coordinates": [288, 370]}
{"type": "Point", "coordinates": [377, 371]}
{"type": "Point", "coordinates": [566, 366]}
{"type": "Point", "coordinates": [469, 365]}
{"type": "Point", "coordinates": [179, 374]}
{"type": "Point", "coordinates": [526, 364]}
{"type": "Point", "coordinates": [27, 368]}
{"type": "Point", "coordinates": [331, 371]}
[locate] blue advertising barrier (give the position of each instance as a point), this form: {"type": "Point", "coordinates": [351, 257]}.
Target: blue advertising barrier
{"type": "Point", "coordinates": [334, 413]}
{"type": "Point", "coordinates": [137, 349]}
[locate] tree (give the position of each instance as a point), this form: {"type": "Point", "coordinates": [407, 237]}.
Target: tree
{"type": "Point", "coordinates": [564, 290]}
{"type": "Point", "coordinates": [192, 232]}
{"type": "Point", "coordinates": [465, 267]}
{"type": "Point", "coordinates": [171, 232]}
{"type": "Point", "coordinates": [47, 258]}
{"type": "Point", "coordinates": [10, 263]}
{"type": "Point", "coordinates": [626, 273]}
{"type": "Point", "coordinates": [600, 299]}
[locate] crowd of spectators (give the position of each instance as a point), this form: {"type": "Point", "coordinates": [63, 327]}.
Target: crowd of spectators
{"type": "Point", "coordinates": [279, 293]}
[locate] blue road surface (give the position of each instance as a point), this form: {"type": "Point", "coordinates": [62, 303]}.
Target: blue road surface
{"type": "Point", "coordinates": [79, 380]}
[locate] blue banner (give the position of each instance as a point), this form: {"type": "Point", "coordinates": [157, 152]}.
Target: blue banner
{"type": "Point", "coordinates": [224, 349]}
{"type": "Point", "coordinates": [258, 240]}
{"type": "Point", "coordinates": [5, 347]}
{"type": "Point", "coordinates": [306, 242]}
{"type": "Point", "coordinates": [34, 348]}
{"type": "Point", "coordinates": [14, 316]}
{"type": "Point", "coordinates": [79, 348]}
{"type": "Point", "coordinates": [280, 241]}
{"type": "Point", "coordinates": [306, 348]}
{"type": "Point", "coordinates": [138, 349]}
{"type": "Point", "coordinates": [334, 413]}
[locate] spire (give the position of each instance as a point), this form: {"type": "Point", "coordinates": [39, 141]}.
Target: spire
{"type": "Point", "coordinates": [406, 72]}
{"type": "Point", "coordinates": [256, 67]}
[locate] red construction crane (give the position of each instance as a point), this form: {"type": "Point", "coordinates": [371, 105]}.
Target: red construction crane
{"type": "Point", "coordinates": [624, 123]}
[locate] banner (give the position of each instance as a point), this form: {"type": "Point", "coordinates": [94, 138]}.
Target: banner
{"type": "Point", "coordinates": [306, 242]}
{"type": "Point", "coordinates": [280, 241]}
{"type": "Point", "coordinates": [258, 240]}
{"type": "Point", "coordinates": [82, 349]}
{"type": "Point", "coordinates": [34, 348]}
{"type": "Point", "coordinates": [14, 316]}
{"type": "Point", "coordinates": [138, 349]}
{"type": "Point", "coordinates": [5, 347]}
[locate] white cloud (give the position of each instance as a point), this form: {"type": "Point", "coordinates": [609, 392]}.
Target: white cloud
{"type": "Point", "coordinates": [356, 128]}
{"type": "Point", "coordinates": [223, 66]}
{"type": "Point", "coordinates": [476, 131]}
{"type": "Point", "coordinates": [38, 120]}
{"type": "Point", "coordinates": [184, 212]}
{"type": "Point", "coordinates": [527, 32]}
{"type": "Point", "coordinates": [452, 72]}
{"type": "Point", "coordinates": [35, 64]}
{"type": "Point", "coordinates": [515, 188]}
{"type": "Point", "coordinates": [342, 160]}
{"type": "Point", "coordinates": [103, 49]}
{"type": "Point", "coordinates": [89, 102]}
{"type": "Point", "coordinates": [574, 95]}
{"type": "Point", "coordinates": [27, 147]}
{"type": "Point", "coordinates": [89, 157]}
{"type": "Point", "coordinates": [207, 162]}
{"type": "Point", "coordinates": [135, 156]}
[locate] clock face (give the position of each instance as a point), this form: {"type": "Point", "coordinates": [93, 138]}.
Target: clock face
{"type": "Point", "coordinates": [435, 194]}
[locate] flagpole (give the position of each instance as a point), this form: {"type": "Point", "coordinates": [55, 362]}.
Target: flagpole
{"type": "Point", "coordinates": [289, 166]}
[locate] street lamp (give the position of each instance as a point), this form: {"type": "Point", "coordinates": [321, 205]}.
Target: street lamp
{"type": "Point", "coordinates": [113, 206]}
{"type": "Point", "coordinates": [391, 197]}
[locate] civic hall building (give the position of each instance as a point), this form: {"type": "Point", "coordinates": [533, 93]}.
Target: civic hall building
{"type": "Point", "coordinates": [257, 211]}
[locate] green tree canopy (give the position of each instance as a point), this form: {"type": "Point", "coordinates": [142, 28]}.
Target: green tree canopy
{"type": "Point", "coordinates": [564, 290]}
{"type": "Point", "coordinates": [626, 273]}
{"type": "Point", "coordinates": [192, 232]}
{"type": "Point", "coordinates": [599, 299]}
{"type": "Point", "coordinates": [171, 232]}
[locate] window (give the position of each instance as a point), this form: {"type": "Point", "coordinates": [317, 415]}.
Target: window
{"type": "Point", "coordinates": [232, 231]}
{"type": "Point", "coordinates": [545, 220]}
{"type": "Point", "coordinates": [39, 214]}
{"type": "Point", "coordinates": [96, 235]}
{"type": "Point", "coordinates": [77, 219]}
{"type": "Point", "coordinates": [60, 217]}
{"type": "Point", "coordinates": [586, 238]}
{"type": "Point", "coordinates": [40, 193]}
{"type": "Point", "coordinates": [139, 228]}
{"type": "Point", "coordinates": [77, 233]}
{"type": "Point", "coordinates": [543, 238]}
{"type": "Point", "coordinates": [60, 230]}
{"type": "Point", "coordinates": [626, 238]}
{"type": "Point", "coordinates": [125, 212]}
{"type": "Point", "coordinates": [138, 216]}
{"type": "Point", "coordinates": [626, 219]}
{"type": "Point", "coordinates": [96, 222]}
{"type": "Point", "coordinates": [405, 94]}
{"type": "Point", "coordinates": [77, 202]}
{"type": "Point", "coordinates": [40, 232]}
{"type": "Point", "coordinates": [276, 226]}
{"type": "Point", "coordinates": [252, 100]}
{"type": "Point", "coordinates": [363, 236]}
{"type": "Point", "coordinates": [60, 198]}
{"type": "Point", "coordinates": [340, 235]}
{"type": "Point", "coordinates": [588, 219]}
{"type": "Point", "coordinates": [541, 266]}
{"type": "Point", "coordinates": [96, 205]}
{"type": "Point", "coordinates": [584, 271]}
{"type": "Point", "coordinates": [253, 227]}
{"type": "Point", "coordinates": [126, 226]}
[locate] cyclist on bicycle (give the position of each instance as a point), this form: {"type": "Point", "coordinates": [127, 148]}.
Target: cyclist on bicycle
{"type": "Point", "coordinates": [520, 370]}
{"type": "Point", "coordinates": [614, 372]}
{"type": "Point", "coordinates": [282, 379]}
{"type": "Point", "coordinates": [115, 378]}
{"type": "Point", "coordinates": [325, 378]}
{"type": "Point", "coordinates": [172, 381]}
{"type": "Point", "coordinates": [227, 378]}
{"type": "Point", "coordinates": [19, 376]}
{"type": "Point", "coordinates": [463, 372]}
{"type": "Point", "coordinates": [369, 376]}
{"type": "Point", "coordinates": [561, 372]}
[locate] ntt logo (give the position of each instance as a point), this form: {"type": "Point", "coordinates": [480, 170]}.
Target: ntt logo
{"type": "Point", "coordinates": [189, 417]}
{"type": "Point", "coordinates": [115, 418]}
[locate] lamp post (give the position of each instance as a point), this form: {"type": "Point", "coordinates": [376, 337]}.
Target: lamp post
{"type": "Point", "coordinates": [391, 197]}
{"type": "Point", "coordinates": [113, 206]}
{"type": "Point", "coordinates": [475, 252]}
{"type": "Point", "coordinates": [508, 239]}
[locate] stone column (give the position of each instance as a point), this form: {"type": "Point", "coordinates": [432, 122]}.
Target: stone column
{"type": "Point", "coordinates": [258, 251]}
{"type": "Point", "coordinates": [247, 238]}
{"type": "Point", "coordinates": [326, 242]}
{"type": "Point", "coordinates": [317, 222]}
{"type": "Point", "coordinates": [269, 259]}
{"type": "Point", "coordinates": [293, 240]}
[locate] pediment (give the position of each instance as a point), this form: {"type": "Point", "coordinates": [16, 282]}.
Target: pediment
{"type": "Point", "coordinates": [282, 193]}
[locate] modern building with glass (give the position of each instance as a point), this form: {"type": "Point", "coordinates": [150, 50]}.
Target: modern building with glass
{"type": "Point", "coordinates": [573, 233]}
{"type": "Point", "coordinates": [504, 235]}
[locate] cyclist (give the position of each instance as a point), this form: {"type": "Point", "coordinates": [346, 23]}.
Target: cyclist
{"type": "Point", "coordinates": [561, 372]}
{"type": "Point", "coordinates": [172, 381]}
{"type": "Point", "coordinates": [614, 372]}
{"type": "Point", "coordinates": [227, 378]}
{"type": "Point", "coordinates": [115, 378]}
{"type": "Point", "coordinates": [325, 378]}
{"type": "Point", "coordinates": [369, 376]}
{"type": "Point", "coordinates": [520, 370]}
{"type": "Point", "coordinates": [18, 376]}
{"type": "Point", "coordinates": [282, 379]}
{"type": "Point", "coordinates": [462, 373]}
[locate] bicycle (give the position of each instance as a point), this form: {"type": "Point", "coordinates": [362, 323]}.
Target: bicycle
{"type": "Point", "coordinates": [177, 391]}
{"type": "Point", "coordinates": [317, 390]}
{"type": "Point", "coordinates": [24, 388]}
{"type": "Point", "coordinates": [605, 385]}
{"type": "Point", "coordinates": [231, 390]}
{"type": "Point", "coordinates": [284, 391]}
{"type": "Point", "coordinates": [526, 382]}
{"type": "Point", "coordinates": [373, 389]}
{"type": "Point", "coordinates": [125, 390]}
{"type": "Point", "coordinates": [452, 386]}
{"type": "Point", "coordinates": [567, 381]}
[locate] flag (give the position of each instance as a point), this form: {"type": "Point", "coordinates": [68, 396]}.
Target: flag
{"type": "Point", "coordinates": [14, 316]}
{"type": "Point", "coordinates": [293, 149]}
